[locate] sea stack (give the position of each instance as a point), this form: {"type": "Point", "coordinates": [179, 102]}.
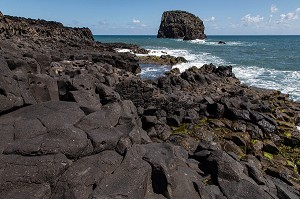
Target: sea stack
{"type": "Point", "coordinates": [181, 24]}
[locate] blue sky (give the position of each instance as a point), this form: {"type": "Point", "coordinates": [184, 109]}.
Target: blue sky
{"type": "Point", "coordinates": [221, 17]}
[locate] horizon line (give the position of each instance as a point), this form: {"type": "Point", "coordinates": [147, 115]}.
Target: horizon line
{"type": "Point", "coordinates": [207, 35]}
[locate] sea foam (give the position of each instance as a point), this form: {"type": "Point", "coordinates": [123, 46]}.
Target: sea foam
{"type": "Point", "coordinates": [123, 50]}
{"type": "Point", "coordinates": [216, 43]}
{"type": "Point", "coordinates": [284, 81]}
{"type": "Point", "coordinates": [197, 60]}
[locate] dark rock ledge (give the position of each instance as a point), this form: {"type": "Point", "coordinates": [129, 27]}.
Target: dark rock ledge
{"type": "Point", "coordinates": [77, 123]}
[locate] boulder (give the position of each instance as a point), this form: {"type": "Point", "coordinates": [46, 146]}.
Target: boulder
{"type": "Point", "coordinates": [43, 88]}
{"type": "Point", "coordinates": [30, 176]}
{"type": "Point", "coordinates": [107, 94]}
{"type": "Point", "coordinates": [84, 175]}
{"type": "Point", "coordinates": [122, 183]}
{"type": "Point", "coordinates": [181, 24]}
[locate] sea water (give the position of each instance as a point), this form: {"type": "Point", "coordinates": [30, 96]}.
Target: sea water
{"type": "Point", "coordinates": [271, 62]}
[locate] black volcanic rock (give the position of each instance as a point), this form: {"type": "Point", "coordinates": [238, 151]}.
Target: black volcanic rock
{"type": "Point", "coordinates": [18, 26]}
{"type": "Point", "coordinates": [181, 24]}
{"type": "Point", "coordinates": [76, 122]}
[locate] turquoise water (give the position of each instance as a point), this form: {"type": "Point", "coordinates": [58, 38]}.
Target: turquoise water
{"type": "Point", "coordinates": [262, 61]}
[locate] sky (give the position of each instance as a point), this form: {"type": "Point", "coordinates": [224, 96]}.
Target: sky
{"type": "Point", "coordinates": [142, 17]}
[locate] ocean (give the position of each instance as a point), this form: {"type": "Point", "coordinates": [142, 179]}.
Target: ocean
{"type": "Point", "coordinates": [271, 62]}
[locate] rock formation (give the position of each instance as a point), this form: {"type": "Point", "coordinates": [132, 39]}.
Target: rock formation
{"type": "Point", "coordinates": [18, 26]}
{"type": "Point", "coordinates": [76, 122]}
{"type": "Point", "coordinates": [181, 24]}
{"type": "Point", "coordinates": [162, 60]}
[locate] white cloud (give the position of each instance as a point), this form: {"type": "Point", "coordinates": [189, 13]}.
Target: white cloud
{"type": "Point", "coordinates": [248, 19]}
{"type": "Point", "coordinates": [274, 9]}
{"type": "Point", "coordinates": [211, 19]}
{"type": "Point", "coordinates": [285, 18]}
{"type": "Point", "coordinates": [288, 17]}
{"type": "Point", "coordinates": [136, 21]}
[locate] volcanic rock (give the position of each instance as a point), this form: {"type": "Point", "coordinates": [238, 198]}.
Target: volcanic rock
{"type": "Point", "coordinates": [76, 122]}
{"type": "Point", "coordinates": [162, 60]}
{"type": "Point", "coordinates": [18, 26]}
{"type": "Point", "coordinates": [181, 24]}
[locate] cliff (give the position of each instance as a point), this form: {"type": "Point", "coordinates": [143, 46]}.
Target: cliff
{"type": "Point", "coordinates": [17, 26]}
{"type": "Point", "coordinates": [181, 24]}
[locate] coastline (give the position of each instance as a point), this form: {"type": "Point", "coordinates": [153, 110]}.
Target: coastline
{"type": "Point", "coordinates": [77, 120]}
{"type": "Point", "coordinates": [258, 61]}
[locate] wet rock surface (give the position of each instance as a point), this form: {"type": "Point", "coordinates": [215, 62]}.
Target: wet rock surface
{"type": "Point", "coordinates": [76, 122]}
{"type": "Point", "coordinates": [162, 60]}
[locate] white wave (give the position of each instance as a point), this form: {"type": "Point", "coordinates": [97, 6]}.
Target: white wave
{"type": "Point", "coordinates": [154, 69]}
{"type": "Point", "coordinates": [284, 81]}
{"type": "Point", "coordinates": [216, 43]}
{"type": "Point", "coordinates": [150, 71]}
{"type": "Point", "coordinates": [193, 59]}
{"type": "Point", "coordinates": [199, 60]}
{"type": "Point", "coordinates": [197, 41]}
{"type": "Point", "coordinates": [123, 50]}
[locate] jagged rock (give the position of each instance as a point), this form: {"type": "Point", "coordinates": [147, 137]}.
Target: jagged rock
{"type": "Point", "coordinates": [254, 172]}
{"type": "Point", "coordinates": [13, 89]}
{"type": "Point", "coordinates": [126, 61]}
{"type": "Point", "coordinates": [134, 48]}
{"type": "Point", "coordinates": [43, 88]}
{"type": "Point", "coordinates": [107, 94]}
{"type": "Point", "coordinates": [229, 174]}
{"type": "Point", "coordinates": [168, 166]}
{"type": "Point", "coordinates": [173, 121]}
{"type": "Point", "coordinates": [149, 121]}
{"type": "Point", "coordinates": [270, 147]}
{"type": "Point", "coordinates": [285, 191]}
{"type": "Point", "coordinates": [162, 60]}
{"type": "Point", "coordinates": [85, 99]}
{"type": "Point", "coordinates": [122, 182]}
{"type": "Point", "coordinates": [180, 24]}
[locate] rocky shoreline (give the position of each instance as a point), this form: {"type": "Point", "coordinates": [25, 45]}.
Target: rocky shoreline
{"type": "Point", "coordinates": [77, 122]}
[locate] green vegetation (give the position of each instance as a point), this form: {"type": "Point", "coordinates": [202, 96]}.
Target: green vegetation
{"type": "Point", "coordinates": [181, 130]}
{"type": "Point", "coordinates": [268, 155]}
{"type": "Point", "coordinates": [287, 134]}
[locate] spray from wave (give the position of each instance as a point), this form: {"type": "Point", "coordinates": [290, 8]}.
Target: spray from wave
{"type": "Point", "coordinates": [193, 59]}
{"type": "Point", "coordinates": [216, 43]}
{"type": "Point", "coordinates": [284, 81]}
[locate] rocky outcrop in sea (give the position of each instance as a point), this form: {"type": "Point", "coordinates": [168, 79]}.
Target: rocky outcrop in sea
{"type": "Point", "coordinates": [77, 122]}
{"type": "Point", "coordinates": [181, 24]}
